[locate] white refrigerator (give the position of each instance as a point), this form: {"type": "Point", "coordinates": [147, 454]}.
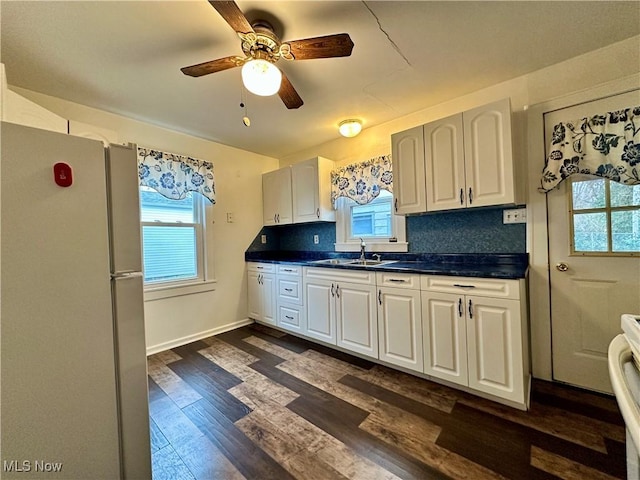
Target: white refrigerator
{"type": "Point", "coordinates": [73, 399]}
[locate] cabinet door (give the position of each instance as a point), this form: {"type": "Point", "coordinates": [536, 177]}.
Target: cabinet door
{"type": "Point", "coordinates": [488, 154]}
{"type": "Point", "coordinates": [356, 318]}
{"type": "Point", "coordinates": [494, 336]}
{"type": "Point", "coordinates": [407, 155]}
{"type": "Point", "coordinates": [444, 159]}
{"type": "Point", "coordinates": [306, 195]}
{"type": "Point", "coordinates": [320, 300]}
{"type": "Point", "coordinates": [254, 295]}
{"type": "Point", "coordinates": [276, 197]}
{"type": "Point", "coordinates": [268, 285]}
{"type": "Point", "coordinates": [400, 327]}
{"type": "Point", "coordinates": [445, 336]}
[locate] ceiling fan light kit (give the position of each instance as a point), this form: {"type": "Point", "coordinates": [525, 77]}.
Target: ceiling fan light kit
{"type": "Point", "coordinates": [262, 48]}
{"type": "Point", "coordinates": [350, 128]}
{"type": "Point", "coordinates": [261, 77]}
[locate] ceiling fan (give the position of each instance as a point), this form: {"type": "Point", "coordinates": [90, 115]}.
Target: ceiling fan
{"type": "Point", "coordinates": [262, 49]}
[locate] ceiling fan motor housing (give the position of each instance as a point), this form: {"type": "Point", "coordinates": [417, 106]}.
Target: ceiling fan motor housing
{"type": "Point", "coordinates": [263, 44]}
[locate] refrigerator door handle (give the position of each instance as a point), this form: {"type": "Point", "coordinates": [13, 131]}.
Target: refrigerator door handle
{"type": "Point", "coordinates": [115, 276]}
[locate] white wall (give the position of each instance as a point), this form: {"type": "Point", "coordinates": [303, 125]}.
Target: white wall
{"type": "Point", "coordinates": [238, 174]}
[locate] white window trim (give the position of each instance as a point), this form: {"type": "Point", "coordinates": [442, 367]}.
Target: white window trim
{"type": "Point", "coordinates": [205, 280]}
{"type": "Point", "coordinates": [344, 243]}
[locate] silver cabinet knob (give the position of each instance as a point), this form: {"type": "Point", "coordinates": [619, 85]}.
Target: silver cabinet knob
{"type": "Point", "coordinates": [563, 267]}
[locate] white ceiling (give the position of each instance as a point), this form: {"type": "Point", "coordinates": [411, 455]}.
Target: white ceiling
{"type": "Point", "coordinates": [125, 57]}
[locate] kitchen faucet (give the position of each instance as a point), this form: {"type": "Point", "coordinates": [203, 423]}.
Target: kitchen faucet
{"type": "Point", "coordinates": [362, 247]}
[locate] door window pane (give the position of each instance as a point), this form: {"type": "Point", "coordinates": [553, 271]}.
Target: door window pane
{"type": "Point", "coordinates": [624, 195]}
{"type": "Point", "coordinates": [590, 232]}
{"type": "Point", "coordinates": [588, 194]}
{"type": "Point", "coordinates": [625, 231]}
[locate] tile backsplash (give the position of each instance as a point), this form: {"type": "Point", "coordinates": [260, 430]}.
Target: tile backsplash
{"type": "Point", "coordinates": [464, 231]}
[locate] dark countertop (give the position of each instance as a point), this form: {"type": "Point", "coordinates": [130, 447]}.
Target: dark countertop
{"type": "Point", "coordinates": [507, 266]}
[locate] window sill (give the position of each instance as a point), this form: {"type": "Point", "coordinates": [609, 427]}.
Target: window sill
{"type": "Point", "coordinates": [168, 291]}
{"type": "Point", "coordinates": [376, 247]}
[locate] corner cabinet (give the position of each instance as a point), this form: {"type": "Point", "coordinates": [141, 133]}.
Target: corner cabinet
{"type": "Point", "coordinates": [311, 189]}
{"type": "Point", "coordinates": [467, 162]}
{"type": "Point", "coordinates": [261, 286]}
{"type": "Point", "coordinates": [475, 334]}
{"type": "Point", "coordinates": [276, 197]}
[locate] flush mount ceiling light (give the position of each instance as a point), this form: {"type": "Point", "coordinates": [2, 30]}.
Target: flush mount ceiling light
{"type": "Point", "coordinates": [261, 77]}
{"type": "Point", "coordinates": [350, 128]}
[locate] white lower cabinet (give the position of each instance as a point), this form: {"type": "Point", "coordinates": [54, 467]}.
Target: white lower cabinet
{"type": "Point", "coordinates": [474, 334]}
{"type": "Point", "coordinates": [341, 309]}
{"type": "Point", "coordinates": [399, 320]}
{"type": "Point", "coordinates": [261, 284]}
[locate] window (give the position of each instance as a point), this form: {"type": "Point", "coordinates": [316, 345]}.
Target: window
{"type": "Point", "coordinates": [374, 222]}
{"type": "Point", "coordinates": [172, 238]}
{"type": "Point", "coordinates": [605, 218]}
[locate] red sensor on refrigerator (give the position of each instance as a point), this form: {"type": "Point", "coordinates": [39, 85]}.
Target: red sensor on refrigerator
{"type": "Point", "coordinates": [63, 174]}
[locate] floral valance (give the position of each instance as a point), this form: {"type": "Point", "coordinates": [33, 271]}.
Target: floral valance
{"type": "Point", "coordinates": [606, 145]}
{"type": "Point", "coordinates": [175, 175]}
{"type": "Point", "coordinates": [363, 181]}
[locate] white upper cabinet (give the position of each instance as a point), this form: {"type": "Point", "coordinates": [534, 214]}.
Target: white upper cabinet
{"type": "Point", "coordinates": [311, 188]}
{"type": "Point", "coordinates": [465, 160]}
{"type": "Point", "coordinates": [276, 197]}
{"type": "Point", "coordinates": [299, 193]}
{"type": "Point", "coordinates": [407, 156]}
{"type": "Point", "coordinates": [488, 155]}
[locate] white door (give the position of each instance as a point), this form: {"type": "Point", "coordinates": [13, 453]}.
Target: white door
{"type": "Point", "coordinates": [356, 318]}
{"type": "Point", "coordinates": [494, 342]}
{"type": "Point", "coordinates": [321, 322]}
{"type": "Point", "coordinates": [444, 156]}
{"type": "Point", "coordinates": [407, 155]}
{"type": "Point", "coordinates": [590, 289]}
{"type": "Point", "coordinates": [400, 327]}
{"type": "Point", "coordinates": [445, 336]}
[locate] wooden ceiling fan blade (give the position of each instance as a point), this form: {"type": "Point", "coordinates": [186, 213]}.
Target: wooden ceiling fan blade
{"type": "Point", "coordinates": [232, 15]}
{"type": "Point", "coordinates": [288, 94]}
{"type": "Point", "coordinates": [212, 66]}
{"type": "Point", "coordinates": [339, 45]}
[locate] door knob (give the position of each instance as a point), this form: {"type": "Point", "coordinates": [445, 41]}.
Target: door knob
{"type": "Point", "coordinates": [563, 267]}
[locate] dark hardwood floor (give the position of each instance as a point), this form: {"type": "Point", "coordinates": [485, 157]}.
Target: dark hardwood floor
{"type": "Point", "coordinates": [255, 403]}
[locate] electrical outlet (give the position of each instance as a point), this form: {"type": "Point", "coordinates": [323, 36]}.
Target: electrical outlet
{"type": "Point", "coordinates": [516, 215]}
{"type": "Point", "coordinates": [316, 239]}
{"type": "Point", "coordinates": [263, 239]}
{"type": "Point", "coordinates": [229, 217]}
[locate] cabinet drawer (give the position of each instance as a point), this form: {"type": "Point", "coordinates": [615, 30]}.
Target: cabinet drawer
{"type": "Point", "coordinates": [484, 287]}
{"type": "Point", "coordinates": [290, 290]}
{"type": "Point", "coordinates": [293, 270]}
{"type": "Point", "coordinates": [399, 280]}
{"type": "Point", "coordinates": [261, 267]}
{"type": "Point", "coordinates": [340, 275]}
{"type": "Point", "coordinates": [290, 317]}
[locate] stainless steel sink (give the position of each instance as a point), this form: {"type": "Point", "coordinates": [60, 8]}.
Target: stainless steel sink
{"type": "Point", "coordinates": [353, 263]}
{"type": "Point", "coordinates": [334, 261]}
{"type": "Point", "coordinates": [370, 263]}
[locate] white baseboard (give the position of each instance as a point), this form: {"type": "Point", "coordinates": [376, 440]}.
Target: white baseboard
{"type": "Point", "coordinates": [161, 347]}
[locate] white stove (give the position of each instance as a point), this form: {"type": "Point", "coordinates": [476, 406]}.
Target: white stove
{"type": "Point", "coordinates": [624, 370]}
